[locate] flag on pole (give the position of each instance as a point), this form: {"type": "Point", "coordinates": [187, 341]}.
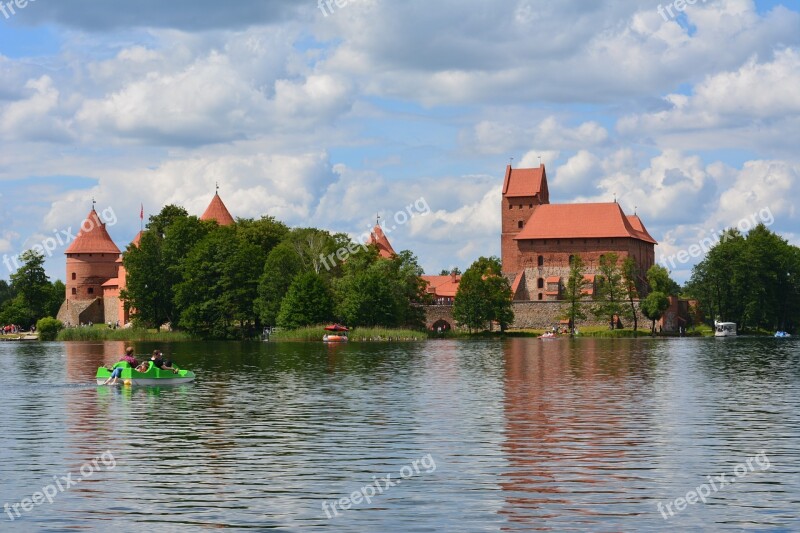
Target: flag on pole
{"type": "Point", "coordinates": [141, 213]}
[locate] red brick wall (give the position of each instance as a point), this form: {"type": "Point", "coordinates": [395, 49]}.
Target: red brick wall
{"type": "Point", "coordinates": [90, 272]}
{"type": "Point", "coordinates": [524, 255]}
{"type": "Point", "coordinates": [514, 211]}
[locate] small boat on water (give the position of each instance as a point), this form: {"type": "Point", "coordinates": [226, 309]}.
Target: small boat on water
{"type": "Point", "coordinates": [548, 335]}
{"type": "Point", "coordinates": [724, 329]}
{"type": "Point", "coordinates": [782, 335]}
{"type": "Point", "coordinates": [338, 333]}
{"type": "Point", "coordinates": [153, 376]}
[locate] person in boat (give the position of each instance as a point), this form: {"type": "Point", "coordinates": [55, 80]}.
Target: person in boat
{"type": "Point", "coordinates": [160, 363]}
{"type": "Point", "coordinates": [116, 373]}
{"type": "Point", "coordinates": [144, 367]}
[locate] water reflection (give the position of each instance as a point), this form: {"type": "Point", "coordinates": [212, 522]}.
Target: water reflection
{"type": "Point", "coordinates": [526, 434]}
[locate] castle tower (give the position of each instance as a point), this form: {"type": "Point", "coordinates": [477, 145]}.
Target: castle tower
{"type": "Point", "coordinates": [523, 190]}
{"type": "Point", "coordinates": [378, 239]}
{"type": "Point", "coordinates": [91, 262]}
{"type": "Point", "coordinates": [216, 210]}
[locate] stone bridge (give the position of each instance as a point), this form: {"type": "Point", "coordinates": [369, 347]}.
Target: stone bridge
{"type": "Point", "coordinates": [439, 316]}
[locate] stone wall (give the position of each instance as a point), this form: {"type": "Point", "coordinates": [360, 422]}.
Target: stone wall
{"type": "Point", "coordinates": [436, 313]}
{"type": "Point", "coordinates": [76, 312]}
{"type": "Point", "coordinates": [533, 315]}
{"type": "Point", "coordinates": [543, 315]}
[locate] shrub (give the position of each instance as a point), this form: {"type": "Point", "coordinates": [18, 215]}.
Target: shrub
{"type": "Point", "coordinates": [48, 328]}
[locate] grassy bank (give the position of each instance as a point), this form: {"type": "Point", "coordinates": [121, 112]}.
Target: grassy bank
{"type": "Point", "coordinates": [103, 333]}
{"type": "Point", "coordinates": [315, 334]}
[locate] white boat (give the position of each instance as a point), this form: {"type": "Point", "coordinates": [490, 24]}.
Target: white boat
{"type": "Point", "coordinates": [724, 329]}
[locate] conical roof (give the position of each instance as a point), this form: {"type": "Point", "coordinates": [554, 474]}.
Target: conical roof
{"type": "Point", "coordinates": [217, 211]}
{"type": "Point", "coordinates": [379, 240]}
{"type": "Point", "coordinates": [92, 238]}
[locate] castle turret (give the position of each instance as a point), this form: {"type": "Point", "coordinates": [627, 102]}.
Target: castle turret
{"type": "Point", "coordinates": [217, 211]}
{"type": "Point", "coordinates": [523, 190]}
{"type": "Point", "coordinates": [378, 239]}
{"type": "Point", "coordinates": [91, 262]}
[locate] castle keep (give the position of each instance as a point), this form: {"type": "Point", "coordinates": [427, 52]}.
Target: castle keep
{"type": "Point", "coordinates": [539, 239]}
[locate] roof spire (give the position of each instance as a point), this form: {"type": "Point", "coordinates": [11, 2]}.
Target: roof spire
{"type": "Point", "coordinates": [93, 203]}
{"type": "Point", "coordinates": [378, 220]}
{"type": "Point", "coordinates": [540, 160]}
{"type": "Point", "coordinates": [217, 186]}
{"type": "Point", "coordinates": [511, 161]}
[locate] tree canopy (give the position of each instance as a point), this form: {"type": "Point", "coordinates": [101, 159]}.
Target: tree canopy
{"type": "Point", "coordinates": [484, 296]}
{"type": "Point", "coordinates": [753, 280]}
{"type": "Point", "coordinates": [230, 281]}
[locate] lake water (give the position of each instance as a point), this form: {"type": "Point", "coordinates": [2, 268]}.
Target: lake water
{"type": "Point", "coordinates": [516, 434]}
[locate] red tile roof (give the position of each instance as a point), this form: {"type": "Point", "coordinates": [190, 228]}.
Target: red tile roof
{"type": "Point", "coordinates": [92, 238]}
{"type": "Point", "coordinates": [217, 211]}
{"type": "Point", "coordinates": [113, 282]}
{"type": "Point", "coordinates": [576, 221]}
{"type": "Point", "coordinates": [638, 227]}
{"type": "Point", "coordinates": [525, 182]}
{"type": "Point", "coordinates": [137, 240]}
{"type": "Point", "coordinates": [443, 286]}
{"type": "Point", "coordinates": [378, 238]}
{"type": "Point", "coordinates": [553, 279]}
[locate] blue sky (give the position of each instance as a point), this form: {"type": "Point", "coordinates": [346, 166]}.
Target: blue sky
{"type": "Point", "coordinates": [326, 120]}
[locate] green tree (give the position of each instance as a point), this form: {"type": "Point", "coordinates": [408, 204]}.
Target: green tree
{"type": "Point", "coordinates": [48, 328]}
{"type": "Point", "coordinates": [265, 233]}
{"type": "Point", "coordinates": [380, 292]}
{"type": "Point", "coordinates": [610, 290]}
{"type": "Point", "coordinates": [33, 291]}
{"type": "Point", "coordinates": [281, 267]}
{"type": "Point", "coordinates": [659, 280]}
{"type": "Point", "coordinates": [484, 295]}
{"type": "Point", "coordinates": [219, 286]}
{"type": "Point", "coordinates": [6, 293]}
{"type": "Point", "coordinates": [751, 280]}
{"type": "Point", "coordinates": [630, 279]}
{"type": "Point", "coordinates": [56, 298]}
{"type": "Point", "coordinates": [653, 307]}
{"type": "Point", "coordinates": [308, 302]}
{"type": "Point", "coordinates": [575, 292]}
{"type": "Point", "coordinates": [155, 266]}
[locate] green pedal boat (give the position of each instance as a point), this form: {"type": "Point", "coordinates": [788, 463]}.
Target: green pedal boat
{"type": "Point", "coordinates": [153, 376]}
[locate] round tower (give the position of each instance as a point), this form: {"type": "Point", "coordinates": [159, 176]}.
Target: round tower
{"type": "Point", "coordinates": [91, 260]}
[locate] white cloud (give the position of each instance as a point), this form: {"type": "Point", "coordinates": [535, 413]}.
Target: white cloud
{"type": "Point", "coordinates": [36, 116]}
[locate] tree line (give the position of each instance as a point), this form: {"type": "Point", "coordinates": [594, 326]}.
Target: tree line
{"type": "Point", "coordinates": [752, 280]}
{"type": "Point", "coordinates": [231, 281]}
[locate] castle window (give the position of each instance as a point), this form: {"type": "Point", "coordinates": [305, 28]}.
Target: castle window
{"type": "Point", "coordinates": [540, 295]}
{"type": "Point", "coordinates": [584, 241]}
{"type": "Point", "coordinates": [540, 260]}
{"type": "Point", "coordinates": [510, 206]}
{"type": "Point", "coordinates": [91, 290]}
{"type": "Point", "coordinates": [540, 283]}
{"type": "Point", "coordinates": [74, 291]}
{"type": "Point", "coordinates": [74, 277]}
{"type": "Point", "coordinates": [519, 224]}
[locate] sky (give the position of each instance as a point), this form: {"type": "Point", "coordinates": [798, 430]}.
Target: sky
{"type": "Point", "coordinates": [327, 115]}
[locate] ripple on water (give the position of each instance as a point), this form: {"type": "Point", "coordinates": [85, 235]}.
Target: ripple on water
{"type": "Point", "coordinates": [516, 435]}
